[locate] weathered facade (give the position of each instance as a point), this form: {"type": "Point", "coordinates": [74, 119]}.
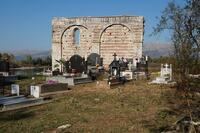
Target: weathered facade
{"type": "Point", "coordinates": [122, 35]}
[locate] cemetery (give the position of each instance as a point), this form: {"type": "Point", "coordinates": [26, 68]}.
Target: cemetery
{"type": "Point", "coordinates": [87, 107]}
{"type": "Point", "coordinates": [76, 71]}
{"type": "Point", "coordinates": [101, 79]}
{"type": "Point", "coordinates": [84, 96]}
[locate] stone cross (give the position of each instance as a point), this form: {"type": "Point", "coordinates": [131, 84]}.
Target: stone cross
{"type": "Point", "coordinates": [115, 55]}
{"type": "Point", "coordinates": [166, 70]}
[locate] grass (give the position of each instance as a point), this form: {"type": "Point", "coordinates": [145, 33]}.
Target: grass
{"type": "Point", "coordinates": [24, 84]}
{"type": "Point", "coordinates": [135, 107]}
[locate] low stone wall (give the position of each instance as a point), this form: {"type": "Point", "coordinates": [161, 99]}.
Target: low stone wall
{"type": "Point", "coordinates": [61, 79]}
{"type": "Point", "coordinates": [46, 88]}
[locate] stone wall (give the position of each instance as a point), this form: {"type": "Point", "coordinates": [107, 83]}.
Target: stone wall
{"type": "Point", "coordinates": [122, 35]}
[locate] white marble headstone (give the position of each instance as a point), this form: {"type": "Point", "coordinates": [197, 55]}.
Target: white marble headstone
{"type": "Point", "coordinates": [166, 70]}
{"type": "Point", "coordinates": [130, 66]}
{"type": "Point", "coordinates": [35, 91]}
{"type": "Point", "coordinates": [146, 58]}
{"type": "Point", "coordinates": [15, 89]}
{"type": "Point", "coordinates": [134, 62]}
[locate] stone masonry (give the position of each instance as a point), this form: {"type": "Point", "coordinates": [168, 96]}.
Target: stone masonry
{"type": "Point", "coordinates": [122, 35]}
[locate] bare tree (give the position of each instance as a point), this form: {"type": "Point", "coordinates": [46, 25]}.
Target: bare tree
{"type": "Point", "coordinates": [184, 24]}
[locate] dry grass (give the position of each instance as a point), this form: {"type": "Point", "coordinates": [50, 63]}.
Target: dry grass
{"type": "Point", "coordinates": [135, 107]}
{"type": "Point", "coordinates": [25, 84]}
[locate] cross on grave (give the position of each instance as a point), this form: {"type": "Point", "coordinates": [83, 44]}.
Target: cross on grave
{"type": "Point", "coordinates": [166, 70]}
{"type": "Point", "coordinates": [166, 65]}
{"type": "Point", "coordinates": [115, 55]}
{"type": "Point", "coordinates": [165, 75]}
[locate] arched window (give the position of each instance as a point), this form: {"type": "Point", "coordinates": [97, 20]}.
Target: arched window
{"type": "Point", "coordinates": [76, 36]}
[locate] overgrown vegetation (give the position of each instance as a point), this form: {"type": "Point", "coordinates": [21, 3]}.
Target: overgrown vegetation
{"type": "Point", "coordinates": [133, 107]}
{"type": "Point", "coordinates": [184, 24]}
{"type": "Point", "coordinates": [25, 82]}
{"type": "Point", "coordinates": [27, 62]}
{"type": "Point", "coordinates": [95, 108]}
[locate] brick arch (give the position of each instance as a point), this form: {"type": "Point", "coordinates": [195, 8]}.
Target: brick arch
{"type": "Point", "coordinates": [116, 38]}
{"type": "Point", "coordinates": [68, 28]}
{"type": "Point", "coordinates": [110, 26]}
{"type": "Point", "coordinates": [65, 44]}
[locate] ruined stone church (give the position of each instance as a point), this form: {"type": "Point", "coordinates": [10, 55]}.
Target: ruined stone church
{"type": "Point", "coordinates": [83, 36]}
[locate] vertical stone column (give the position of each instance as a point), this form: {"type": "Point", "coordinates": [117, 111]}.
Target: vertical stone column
{"type": "Point", "coordinates": [170, 72]}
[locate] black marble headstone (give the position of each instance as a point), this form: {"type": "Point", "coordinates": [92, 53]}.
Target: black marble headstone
{"type": "Point", "coordinates": [77, 63]}
{"type": "Point", "coordinates": [94, 59]}
{"type": "Point", "coordinates": [4, 66]}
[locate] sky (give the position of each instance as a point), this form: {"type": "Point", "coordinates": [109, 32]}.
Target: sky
{"type": "Point", "coordinates": [26, 24]}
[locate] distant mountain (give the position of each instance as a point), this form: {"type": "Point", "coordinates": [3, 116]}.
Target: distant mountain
{"type": "Point", "coordinates": [156, 50]}
{"type": "Point", "coordinates": [151, 49]}
{"type": "Point", "coordinates": [21, 55]}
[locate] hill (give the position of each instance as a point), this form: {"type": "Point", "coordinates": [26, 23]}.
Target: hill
{"type": "Point", "coordinates": [155, 50]}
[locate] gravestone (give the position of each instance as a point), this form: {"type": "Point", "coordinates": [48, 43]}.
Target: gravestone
{"type": "Point", "coordinates": [77, 63]}
{"type": "Point", "coordinates": [128, 74]}
{"type": "Point", "coordinates": [165, 75]}
{"type": "Point", "coordinates": [35, 91]}
{"type": "Point", "coordinates": [135, 61]}
{"type": "Point", "coordinates": [93, 59]}
{"type": "Point", "coordinates": [114, 67]}
{"type": "Point", "coordinates": [46, 88]}
{"type": "Point", "coordinates": [142, 67]}
{"type": "Point", "coordinates": [2, 83]}
{"type": "Point", "coordinates": [166, 71]}
{"type": "Point", "coordinates": [15, 89]}
{"type": "Point", "coordinates": [4, 66]}
{"type": "Point", "coordinates": [115, 71]}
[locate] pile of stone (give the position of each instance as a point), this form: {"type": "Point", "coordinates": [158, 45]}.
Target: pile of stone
{"type": "Point", "coordinates": [184, 125]}
{"type": "Point", "coordinates": [194, 76]}
{"type": "Point", "coordinates": [60, 129]}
